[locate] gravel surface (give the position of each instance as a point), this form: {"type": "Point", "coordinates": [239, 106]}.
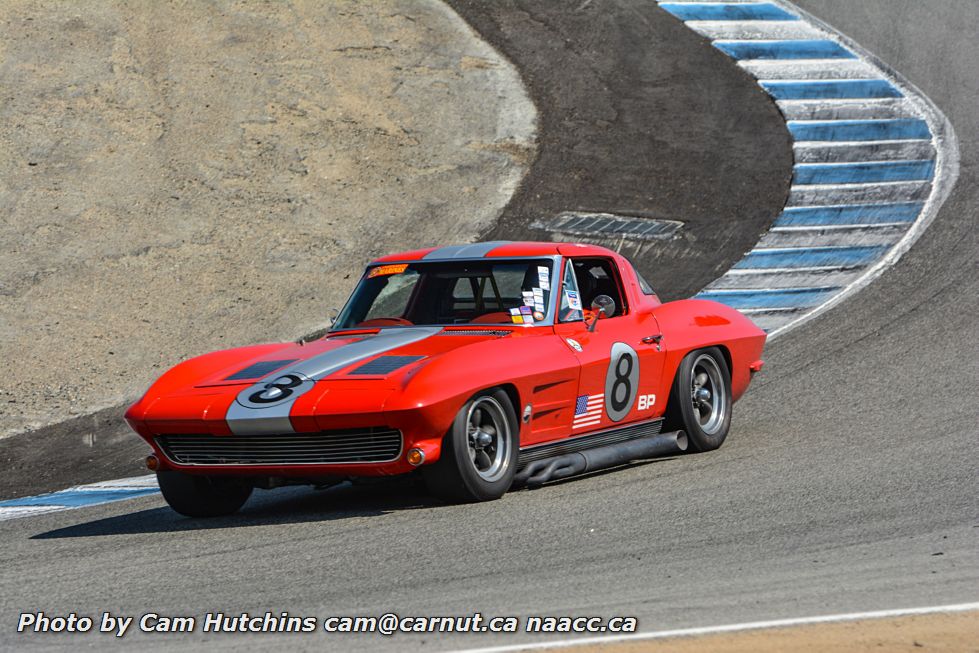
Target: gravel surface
{"type": "Point", "coordinates": [945, 633]}
{"type": "Point", "coordinates": [182, 177]}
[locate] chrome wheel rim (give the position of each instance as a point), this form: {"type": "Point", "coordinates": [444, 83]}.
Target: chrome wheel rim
{"type": "Point", "coordinates": [708, 394]}
{"type": "Point", "coordinates": [488, 437]}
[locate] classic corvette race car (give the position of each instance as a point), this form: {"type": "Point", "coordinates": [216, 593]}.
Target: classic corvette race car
{"type": "Point", "coordinates": [478, 366]}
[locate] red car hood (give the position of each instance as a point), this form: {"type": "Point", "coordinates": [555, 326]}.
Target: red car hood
{"type": "Point", "coordinates": [364, 355]}
{"type": "Point", "coordinates": [250, 394]}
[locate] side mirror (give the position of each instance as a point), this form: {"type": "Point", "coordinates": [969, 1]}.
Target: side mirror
{"type": "Point", "coordinates": [602, 305]}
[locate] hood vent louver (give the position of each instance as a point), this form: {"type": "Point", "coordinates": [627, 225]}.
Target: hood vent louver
{"type": "Point", "coordinates": [474, 332]}
{"type": "Point", "coordinates": [385, 364]}
{"type": "Point", "coordinates": [258, 370]}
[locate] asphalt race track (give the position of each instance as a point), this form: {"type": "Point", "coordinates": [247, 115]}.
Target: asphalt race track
{"type": "Point", "coordinates": [848, 482]}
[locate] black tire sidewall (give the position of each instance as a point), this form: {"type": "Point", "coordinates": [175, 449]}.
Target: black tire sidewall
{"type": "Point", "coordinates": [681, 409]}
{"type": "Point", "coordinates": [202, 496]}
{"type": "Point", "coordinates": [453, 477]}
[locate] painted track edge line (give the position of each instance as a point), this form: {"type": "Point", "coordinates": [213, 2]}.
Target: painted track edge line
{"type": "Point", "coordinates": [729, 628]}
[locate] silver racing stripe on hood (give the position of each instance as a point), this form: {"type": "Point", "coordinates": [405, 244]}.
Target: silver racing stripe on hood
{"type": "Point", "coordinates": [263, 408]}
{"type": "Point", "coordinates": [474, 250]}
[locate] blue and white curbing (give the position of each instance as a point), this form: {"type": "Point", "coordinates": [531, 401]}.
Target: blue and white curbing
{"type": "Point", "coordinates": [874, 160]}
{"type": "Point", "coordinates": [80, 497]}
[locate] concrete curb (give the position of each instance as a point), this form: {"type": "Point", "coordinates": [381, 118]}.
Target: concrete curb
{"type": "Point", "coordinates": [80, 497]}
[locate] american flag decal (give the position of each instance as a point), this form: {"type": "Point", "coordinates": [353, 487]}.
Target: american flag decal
{"type": "Point", "coordinates": [587, 411]}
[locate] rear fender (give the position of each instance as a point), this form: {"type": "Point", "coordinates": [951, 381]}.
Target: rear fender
{"type": "Point", "coordinates": [691, 324]}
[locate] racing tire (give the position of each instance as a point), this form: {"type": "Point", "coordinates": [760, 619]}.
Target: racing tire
{"type": "Point", "coordinates": [202, 496]}
{"type": "Point", "coordinates": [479, 453]}
{"type": "Point", "coordinates": [700, 399]}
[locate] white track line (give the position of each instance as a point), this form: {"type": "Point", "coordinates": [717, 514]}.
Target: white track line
{"type": "Point", "coordinates": [728, 628]}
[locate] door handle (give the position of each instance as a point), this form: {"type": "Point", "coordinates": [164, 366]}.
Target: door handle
{"type": "Point", "coordinates": [652, 340]}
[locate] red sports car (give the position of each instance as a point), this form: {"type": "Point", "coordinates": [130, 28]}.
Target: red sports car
{"type": "Point", "coordinates": [480, 366]}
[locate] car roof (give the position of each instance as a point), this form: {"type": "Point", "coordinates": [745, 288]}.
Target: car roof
{"type": "Point", "coordinates": [497, 249]}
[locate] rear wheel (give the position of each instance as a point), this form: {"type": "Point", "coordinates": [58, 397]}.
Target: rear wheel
{"type": "Point", "coordinates": [700, 399]}
{"type": "Point", "coordinates": [202, 496]}
{"type": "Point", "coordinates": [479, 453]}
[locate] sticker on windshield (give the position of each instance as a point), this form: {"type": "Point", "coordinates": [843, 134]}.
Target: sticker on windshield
{"type": "Point", "coordinates": [528, 298]}
{"type": "Point", "coordinates": [544, 276]}
{"type": "Point", "coordinates": [387, 270]}
{"type": "Point", "coordinates": [574, 301]}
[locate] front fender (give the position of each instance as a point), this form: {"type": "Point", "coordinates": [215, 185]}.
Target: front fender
{"type": "Point", "coordinates": [189, 372]}
{"type": "Point", "coordinates": [437, 390]}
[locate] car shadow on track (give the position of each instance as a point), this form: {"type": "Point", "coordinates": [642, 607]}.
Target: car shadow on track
{"type": "Point", "coordinates": [610, 471]}
{"type": "Point", "coordinates": [281, 506]}
{"type": "Point", "coordinates": [295, 506]}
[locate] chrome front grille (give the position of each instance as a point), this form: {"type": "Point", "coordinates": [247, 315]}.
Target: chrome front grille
{"type": "Point", "coordinates": [363, 445]}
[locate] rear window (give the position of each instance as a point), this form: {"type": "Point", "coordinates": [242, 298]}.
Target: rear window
{"type": "Point", "coordinates": [643, 284]}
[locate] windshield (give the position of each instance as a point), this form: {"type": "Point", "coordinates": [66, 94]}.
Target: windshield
{"type": "Point", "coordinates": [497, 291]}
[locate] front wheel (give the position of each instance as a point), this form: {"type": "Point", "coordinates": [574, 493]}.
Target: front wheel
{"type": "Point", "coordinates": [202, 496]}
{"type": "Point", "coordinates": [700, 399]}
{"type": "Point", "coordinates": [479, 453]}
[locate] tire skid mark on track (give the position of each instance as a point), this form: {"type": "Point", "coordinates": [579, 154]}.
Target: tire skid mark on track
{"type": "Point", "coordinates": [874, 160]}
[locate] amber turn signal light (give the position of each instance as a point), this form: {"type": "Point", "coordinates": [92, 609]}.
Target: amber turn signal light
{"type": "Point", "coordinates": [416, 457]}
{"type": "Point", "coordinates": [152, 463]}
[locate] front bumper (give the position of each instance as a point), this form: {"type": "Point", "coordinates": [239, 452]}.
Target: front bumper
{"type": "Point", "coordinates": [357, 448]}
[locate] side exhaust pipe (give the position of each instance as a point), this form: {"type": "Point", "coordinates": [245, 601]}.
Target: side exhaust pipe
{"type": "Point", "coordinates": [592, 460]}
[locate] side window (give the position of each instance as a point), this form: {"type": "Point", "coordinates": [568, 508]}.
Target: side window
{"type": "Point", "coordinates": [597, 276]}
{"type": "Point", "coordinates": [570, 307]}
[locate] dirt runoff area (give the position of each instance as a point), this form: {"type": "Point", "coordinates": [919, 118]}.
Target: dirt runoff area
{"type": "Point", "coordinates": [943, 632]}
{"type": "Point", "coordinates": [182, 177]}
